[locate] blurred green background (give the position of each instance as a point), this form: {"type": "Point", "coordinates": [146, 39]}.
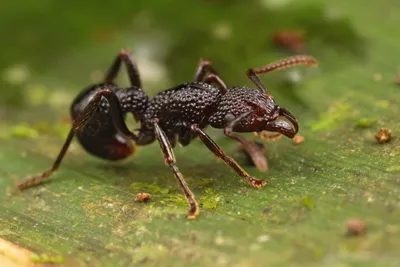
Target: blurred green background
{"type": "Point", "coordinates": [87, 216]}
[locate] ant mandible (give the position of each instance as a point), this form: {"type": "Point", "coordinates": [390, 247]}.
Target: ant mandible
{"type": "Point", "coordinates": [182, 112]}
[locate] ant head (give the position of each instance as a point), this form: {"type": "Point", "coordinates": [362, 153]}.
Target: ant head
{"type": "Point", "coordinates": [249, 110]}
{"type": "Point", "coordinates": [269, 116]}
{"type": "Point", "coordinates": [245, 109]}
{"type": "Point", "coordinates": [258, 110]}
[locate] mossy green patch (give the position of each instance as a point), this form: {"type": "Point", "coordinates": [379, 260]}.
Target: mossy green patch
{"type": "Point", "coordinates": [393, 169]}
{"type": "Point", "coordinates": [59, 129]}
{"type": "Point", "coordinates": [210, 199]}
{"type": "Point", "coordinates": [152, 188]}
{"type": "Point", "coordinates": [149, 252]}
{"type": "Point", "coordinates": [333, 118]}
{"type": "Point", "coordinates": [205, 182]}
{"type": "Point", "coordinates": [382, 104]}
{"type": "Point", "coordinates": [366, 123]}
{"type": "Point", "coordinates": [33, 131]}
{"type": "Point", "coordinates": [47, 258]}
{"type": "Point", "coordinates": [308, 203]}
{"type": "Point", "coordinates": [161, 195]}
{"type": "Point", "coordinates": [23, 131]}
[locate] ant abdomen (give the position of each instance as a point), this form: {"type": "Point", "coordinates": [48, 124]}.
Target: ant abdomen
{"type": "Point", "coordinates": [116, 147]}
{"type": "Point", "coordinates": [100, 136]}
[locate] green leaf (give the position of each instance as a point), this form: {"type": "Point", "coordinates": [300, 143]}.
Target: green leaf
{"type": "Point", "coordinates": [86, 214]}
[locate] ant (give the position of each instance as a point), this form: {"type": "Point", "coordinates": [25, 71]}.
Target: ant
{"type": "Point", "coordinates": [182, 113]}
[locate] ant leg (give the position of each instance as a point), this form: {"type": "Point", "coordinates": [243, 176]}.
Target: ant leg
{"type": "Point", "coordinates": [280, 64]}
{"type": "Point", "coordinates": [204, 67]}
{"type": "Point", "coordinates": [170, 160]}
{"type": "Point", "coordinates": [216, 79]}
{"type": "Point", "coordinates": [41, 177]}
{"type": "Point", "coordinates": [228, 160]}
{"type": "Point", "coordinates": [254, 151]}
{"type": "Point", "coordinates": [78, 125]}
{"type": "Point", "coordinates": [269, 137]}
{"type": "Point", "coordinates": [134, 77]}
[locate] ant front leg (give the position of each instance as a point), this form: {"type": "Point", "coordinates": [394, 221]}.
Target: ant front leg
{"type": "Point", "coordinates": [78, 125]}
{"type": "Point", "coordinates": [228, 160]}
{"type": "Point", "coordinates": [170, 160]}
{"type": "Point", "coordinates": [253, 150]}
{"type": "Point", "coordinates": [133, 73]}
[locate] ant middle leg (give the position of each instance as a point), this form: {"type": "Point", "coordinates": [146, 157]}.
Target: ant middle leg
{"type": "Point", "coordinates": [213, 147]}
{"type": "Point", "coordinates": [133, 73]}
{"type": "Point", "coordinates": [170, 160]}
{"type": "Point", "coordinates": [253, 150]}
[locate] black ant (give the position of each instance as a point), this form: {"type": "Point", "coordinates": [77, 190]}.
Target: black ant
{"type": "Point", "coordinates": [182, 112]}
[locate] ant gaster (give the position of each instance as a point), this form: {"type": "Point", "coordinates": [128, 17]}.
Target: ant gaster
{"type": "Point", "coordinates": [182, 112]}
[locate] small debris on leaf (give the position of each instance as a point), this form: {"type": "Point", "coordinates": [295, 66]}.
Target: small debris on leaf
{"type": "Point", "coordinates": [383, 135]}
{"type": "Point", "coordinates": [355, 227]}
{"type": "Point", "coordinates": [298, 139]}
{"type": "Point", "coordinates": [267, 209]}
{"type": "Point", "coordinates": [143, 197]}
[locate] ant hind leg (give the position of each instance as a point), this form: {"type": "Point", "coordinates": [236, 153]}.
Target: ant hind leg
{"type": "Point", "coordinates": [41, 177]}
{"type": "Point", "coordinates": [133, 73]}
